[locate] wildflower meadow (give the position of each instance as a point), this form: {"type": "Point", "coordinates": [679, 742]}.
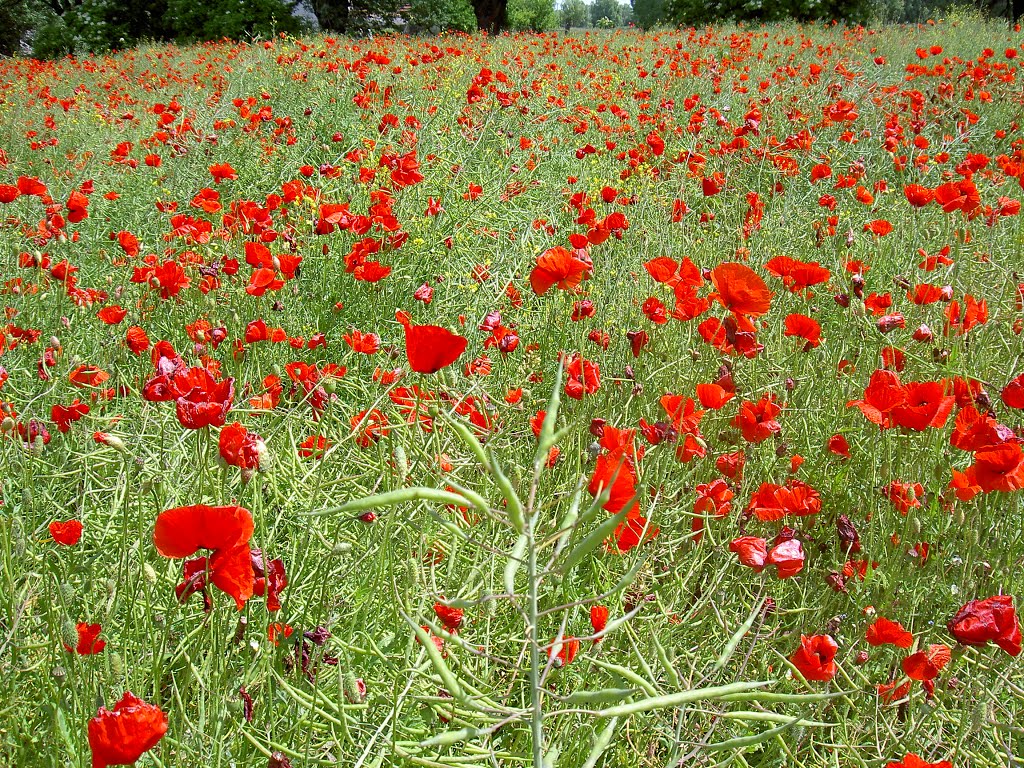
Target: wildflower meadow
{"type": "Point", "coordinates": [582, 399]}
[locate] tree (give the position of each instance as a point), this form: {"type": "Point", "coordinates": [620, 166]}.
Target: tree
{"type": "Point", "coordinates": [235, 19]}
{"type": "Point", "coordinates": [606, 9]}
{"type": "Point", "coordinates": [574, 13]}
{"type": "Point", "coordinates": [535, 15]}
{"type": "Point", "coordinates": [437, 15]}
{"type": "Point", "coordinates": [648, 13]}
{"type": "Point", "coordinates": [491, 15]}
{"type": "Point", "coordinates": [694, 12]}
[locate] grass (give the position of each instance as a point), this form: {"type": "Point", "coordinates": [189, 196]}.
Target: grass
{"type": "Point", "coordinates": [685, 617]}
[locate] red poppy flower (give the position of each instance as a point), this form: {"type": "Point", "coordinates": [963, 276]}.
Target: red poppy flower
{"type": "Point", "coordinates": [120, 736]}
{"type": "Point", "coordinates": [999, 468]}
{"type": "Point", "coordinates": [598, 619]}
{"type": "Point", "coordinates": [926, 664]}
{"type": "Point", "coordinates": [67, 533]}
{"type": "Point", "coordinates": [450, 617]}
{"type": "Point", "coordinates": [239, 447]}
{"type": "Point", "coordinates": [991, 620]}
{"type": "Point", "coordinates": [89, 643]}
{"type": "Point", "coordinates": [429, 348]}
{"type": "Point", "coordinates": [757, 420]}
{"type": "Point", "coordinates": [112, 315]}
{"type": "Point", "coordinates": [773, 502]}
{"type": "Point", "coordinates": [562, 653]}
{"type": "Point", "coordinates": [560, 266]}
{"type": "Point", "coordinates": [88, 376]}
{"type": "Point", "coordinates": [752, 551]}
{"type": "Point", "coordinates": [815, 658]}
{"type": "Point", "coordinates": [200, 400]}
{"type": "Point", "coordinates": [1013, 393]}
{"type": "Point", "coordinates": [740, 290]}
{"type": "Point", "coordinates": [270, 579]}
{"type": "Point", "coordinates": [885, 632]}
{"type": "Point", "coordinates": [787, 556]}
{"type": "Point", "coordinates": [182, 531]}
{"type": "Point", "coordinates": [913, 761]}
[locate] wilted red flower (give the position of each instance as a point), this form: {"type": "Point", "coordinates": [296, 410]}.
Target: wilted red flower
{"type": "Point", "coordinates": [269, 579]}
{"type": "Point", "coordinates": [429, 348]}
{"type": "Point", "coordinates": [121, 735]}
{"type": "Point", "coordinates": [815, 658]}
{"type": "Point", "coordinates": [993, 619]}
{"type": "Point", "coordinates": [752, 551]}
{"type": "Point", "coordinates": [89, 643]}
{"type": "Point", "coordinates": [787, 555]}
{"type": "Point", "coordinates": [882, 631]}
{"type": "Point", "coordinates": [182, 531]}
{"type": "Point", "coordinates": [581, 377]}
{"type": "Point", "coordinates": [67, 533]}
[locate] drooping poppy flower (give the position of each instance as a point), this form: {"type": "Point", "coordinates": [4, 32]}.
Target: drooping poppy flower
{"type": "Point", "coordinates": [89, 643]}
{"type": "Point", "coordinates": [815, 658]}
{"type": "Point", "coordinates": [993, 619]}
{"type": "Point", "coordinates": [66, 533]}
{"type": "Point", "coordinates": [120, 736]}
{"type": "Point", "coordinates": [429, 348]}
{"type": "Point", "coordinates": [112, 315]}
{"type": "Point", "coordinates": [561, 267]}
{"type": "Point", "coordinates": [582, 377]}
{"type": "Point", "coordinates": [182, 531]}
{"type": "Point", "coordinates": [882, 631]}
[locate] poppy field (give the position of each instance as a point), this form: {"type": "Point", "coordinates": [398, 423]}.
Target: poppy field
{"type": "Point", "coordinates": [598, 399]}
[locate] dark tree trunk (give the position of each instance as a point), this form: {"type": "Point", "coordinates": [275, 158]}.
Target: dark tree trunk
{"type": "Point", "coordinates": [491, 14]}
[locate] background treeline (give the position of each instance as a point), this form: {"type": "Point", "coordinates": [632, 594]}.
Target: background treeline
{"type": "Point", "coordinates": [49, 28]}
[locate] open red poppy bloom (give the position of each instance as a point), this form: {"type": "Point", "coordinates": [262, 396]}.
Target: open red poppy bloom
{"type": "Point", "coordinates": [740, 290]}
{"type": "Point", "coordinates": [182, 531]}
{"type": "Point", "coordinates": [991, 620]}
{"type": "Point", "coordinates": [429, 348]}
{"type": "Point", "coordinates": [999, 468]}
{"type": "Point", "coordinates": [67, 533]}
{"type": "Point", "coordinates": [926, 664]}
{"type": "Point", "coordinates": [121, 735]}
{"type": "Point", "coordinates": [560, 266]}
{"type": "Point", "coordinates": [815, 658]}
{"type": "Point", "coordinates": [885, 632]}
{"type": "Point", "coordinates": [200, 400]}
{"type": "Point", "coordinates": [913, 761]}
{"type": "Point", "coordinates": [450, 617]}
{"type": "Point", "coordinates": [88, 640]}
{"type": "Point", "coordinates": [752, 551]}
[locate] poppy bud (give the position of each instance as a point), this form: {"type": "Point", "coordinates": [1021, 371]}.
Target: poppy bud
{"type": "Point", "coordinates": [355, 688]}
{"type": "Point", "coordinates": [401, 463]}
{"type": "Point", "coordinates": [116, 664]}
{"type": "Point", "coordinates": [149, 573]}
{"type": "Point", "coordinates": [68, 633]}
{"type": "Point", "coordinates": [7, 425]}
{"type": "Point", "coordinates": [861, 658]}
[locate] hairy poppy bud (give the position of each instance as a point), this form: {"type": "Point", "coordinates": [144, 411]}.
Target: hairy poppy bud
{"type": "Point", "coordinates": [68, 633]}
{"type": "Point", "coordinates": [401, 463]}
{"type": "Point", "coordinates": [341, 548]}
{"type": "Point", "coordinates": [149, 574]}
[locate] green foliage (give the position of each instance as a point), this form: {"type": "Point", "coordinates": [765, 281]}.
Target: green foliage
{"type": "Point", "coordinates": [648, 13]}
{"type": "Point", "coordinates": [692, 12]}
{"type": "Point", "coordinates": [573, 13]}
{"type": "Point", "coordinates": [606, 9]}
{"type": "Point", "coordinates": [438, 15]}
{"type": "Point", "coordinates": [235, 19]}
{"type": "Point", "coordinates": [533, 15]}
